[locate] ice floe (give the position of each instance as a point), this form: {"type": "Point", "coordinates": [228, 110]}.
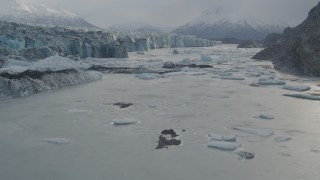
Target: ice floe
{"type": "Point", "coordinates": [57, 140]}
{"type": "Point", "coordinates": [218, 137]}
{"type": "Point", "coordinates": [124, 121]}
{"type": "Point", "coordinates": [297, 88]}
{"type": "Point", "coordinates": [223, 145]}
{"type": "Point", "coordinates": [270, 81]}
{"type": "Point", "coordinates": [304, 96]}
{"type": "Point", "coordinates": [258, 132]}
{"type": "Point", "coordinates": [148, 76]}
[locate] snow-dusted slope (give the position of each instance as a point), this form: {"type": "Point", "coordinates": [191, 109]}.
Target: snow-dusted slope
{"type": "Point", "coordinates": [40, 14]}
{"type": "Point", "coordinates": [134, 27]}
{"type": "Point", "coordinates": [221, 24]}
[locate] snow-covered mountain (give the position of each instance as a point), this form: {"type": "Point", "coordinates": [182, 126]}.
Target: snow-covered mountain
{"type": "Point", "coordinates": [39, 14]}
{"type": "Point", "coordinates": [222, 24]}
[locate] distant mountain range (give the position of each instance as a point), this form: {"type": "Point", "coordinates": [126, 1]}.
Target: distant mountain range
{"type": "Point", "coordinates": [40, 14]}
{"type": "Point", "coordinates": [137, 26]}
{"type": "Point", "coordinates": [219, 24]}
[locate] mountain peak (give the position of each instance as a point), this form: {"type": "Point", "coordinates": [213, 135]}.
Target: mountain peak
{"type": "Point", "coordinates": [24, 12]}
{"type": "Point", "coordinates": [220, 23]}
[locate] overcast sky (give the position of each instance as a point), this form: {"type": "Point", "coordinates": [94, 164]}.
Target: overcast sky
{"type": "Point", "coordinates": [104, 13]}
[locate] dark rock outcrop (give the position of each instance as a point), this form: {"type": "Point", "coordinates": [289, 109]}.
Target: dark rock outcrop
{"type": "Point", "coordinates": [168, 138]}
{"type": "Point", "coordinates": [297, 50]}
{"type": "Point", "coordinates": [249, 44]}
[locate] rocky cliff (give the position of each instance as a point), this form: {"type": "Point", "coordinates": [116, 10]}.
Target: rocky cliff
{"type": "Point", "coordinates": [297, 50]}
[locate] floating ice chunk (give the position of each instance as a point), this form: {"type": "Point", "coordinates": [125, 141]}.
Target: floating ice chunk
{"type": "Point", "coordinates": [78, 111]}
{"type": "Point", "coordinates": [206, 58]}
{"type": "Point", "coordinates": [218, 137]}
{"type": "Point", "coordinates": [265, 116]}
{"type": "Point", "coordinates": [297, 88]}
{"type": "Point", "coordinates": [186, 61]}
{"type": "Point", "coordinates": [224, 74]}
{"type": "Point", "coordinates": [253, 74]}
{"type": "Point", "coordinates": [304, 96]}
{"type": "Point", "coordinates": [258, 132]}
{"type": "Point", "coordinates": [148, 76]}
{"type": "Point", "coordinates": [125, 121]}
{"type": "Point", "coordinates": [282, 138]}
{"type": "Point", "coordinates": [57, 140]}
{"type": "Point", "coordinates": [232, 78]}
{"type": "Point", "coordinates": [230, 138]}
{"type": "Point", "coordinates": [271, 81]}
{"type": "Point", "coordinates": [223, 145]}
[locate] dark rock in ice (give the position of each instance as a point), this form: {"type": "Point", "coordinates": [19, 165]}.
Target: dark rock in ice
{"type": "Point", "coordinates": [265, 116]}
{"type": "Point", "coordinates": [176, 52]}
{"type": "Point", "coordinates": [165, 141]}
{"type": "Point", "coordinates": [304, 96]}
{"type": "Point", "coordinates": [232, 78]}
{"type": "Point", "coordinates": [297, 88]}
{"type": "Point", "coordinates": [121, 70]}
{"type": "Point", "coordinates": [58, 141]}
{"type": "Point", "coordinates": [204, 66]}
{"type": "Point", "coordinates": [171, 65]}
{"type": "Point", "coordinates": [123, 105]}
{"type": "Point", "coordinates": [243, 155]}
{"type": "Point", "coordinates": [249, 44]}
{"type": "Point", "coordinates": [282, 138]}
{"type": "Point", "coordinates": [170, 132]}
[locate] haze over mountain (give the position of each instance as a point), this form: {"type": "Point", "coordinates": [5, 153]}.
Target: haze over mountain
{"type": "Point", "coordinates": [220, 23]}
{"type": "Point", "coordinates": [40, 14]}
{"type": "Point", "coordinates": [173, 13]}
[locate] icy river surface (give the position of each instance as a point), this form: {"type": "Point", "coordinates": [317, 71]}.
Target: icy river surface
{"type": "Point", "coordinates": [231, 124]}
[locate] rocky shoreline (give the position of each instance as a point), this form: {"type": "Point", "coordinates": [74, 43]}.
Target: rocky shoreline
{"type": "Point", "coordinates": [296, 51]}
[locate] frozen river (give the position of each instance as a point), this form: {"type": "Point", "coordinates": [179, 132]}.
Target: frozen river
{"type": "Point", "coordinates": [194, 105]}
